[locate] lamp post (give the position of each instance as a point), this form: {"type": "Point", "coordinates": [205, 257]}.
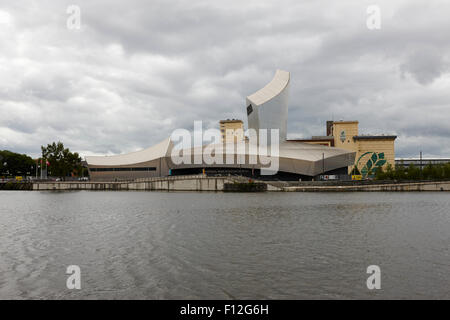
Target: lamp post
{"type": "Point", "coordinates": [323, 164]}
{"type": "Point", "coordinates": [420, 164]}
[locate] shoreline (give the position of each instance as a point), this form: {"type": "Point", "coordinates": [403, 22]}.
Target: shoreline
{"type": "Point", "coordinates": [229, 184]}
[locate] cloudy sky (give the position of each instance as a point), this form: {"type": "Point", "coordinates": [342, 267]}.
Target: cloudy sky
{"type": "Point", "coordinates": [136, 70]}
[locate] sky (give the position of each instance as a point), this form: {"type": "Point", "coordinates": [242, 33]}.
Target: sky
{"type": "Point", "coordinates": [134, 71]}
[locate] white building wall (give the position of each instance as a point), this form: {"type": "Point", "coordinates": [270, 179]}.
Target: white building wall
{"type": "Point", "coordinates": [270, 105]}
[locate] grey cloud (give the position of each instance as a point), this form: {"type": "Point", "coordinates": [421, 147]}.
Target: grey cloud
{"type": "Point", "coordinates": [425, 66]}
{"type": "Point", "coordinates": [137, 70]}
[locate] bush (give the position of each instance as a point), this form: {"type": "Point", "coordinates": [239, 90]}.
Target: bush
{"type": "Point", "coordinates": [429, 172]}
{"type": "Point", "coordinates": [380, 174]}
{"type": "Point", "coordinates": [355, 171]}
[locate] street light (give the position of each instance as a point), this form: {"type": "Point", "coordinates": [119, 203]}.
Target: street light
{"type": "Point", "coordinates": [323, 165]}
{"type": "Point", "coordinates": [420, 164]}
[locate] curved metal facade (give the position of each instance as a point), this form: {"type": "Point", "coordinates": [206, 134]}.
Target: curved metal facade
{"type": "Point", "coordinates": [294, 157]}
{"type": "Point", "coordinates": [268, 107]}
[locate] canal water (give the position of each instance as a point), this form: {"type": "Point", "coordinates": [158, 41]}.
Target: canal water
{"type": "Point", "coordinates": [180, 245]}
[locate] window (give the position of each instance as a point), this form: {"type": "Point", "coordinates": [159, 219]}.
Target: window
{"type": "Point", "coordinates": [122, 169]}
{"type": "Point", "coordinates": [144, 169]}
{"type": "Point", "coordinates": [249, 109]}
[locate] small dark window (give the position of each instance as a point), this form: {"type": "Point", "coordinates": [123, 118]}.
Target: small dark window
{"type": "Point", "coordinates": [249, 109]}
{"type": "Point", "coordinates": [123, 169]}
{"type": "Point", "coordinates": [144, 169]}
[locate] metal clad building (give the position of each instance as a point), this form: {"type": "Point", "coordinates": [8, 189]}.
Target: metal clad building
{"type": "Point", "coordinates": [266, 109]}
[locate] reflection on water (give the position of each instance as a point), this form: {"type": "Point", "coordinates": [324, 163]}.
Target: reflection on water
{"type": "Point", "coordinates": [156, 245]}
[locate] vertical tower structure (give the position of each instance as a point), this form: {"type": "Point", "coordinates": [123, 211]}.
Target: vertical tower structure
{"type": "Point", "coordinates": [268, 107]}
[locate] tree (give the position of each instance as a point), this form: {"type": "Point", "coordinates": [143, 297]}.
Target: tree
{"type": "Point", "coordinates": [62, 162]}
{"type": "Point", "coordinates": [429, 172]}
{"type": "Point", "coordinates": [389, 172]}
{"type": "Point", "coordinates": [400, 172]}
{"type": "Point", "coordinates": [355, 171]}
{"type": "Point", "coordinates": [446, 170]}
{"type": "Point", "coordinates": [413, 173]}
{"type": "Point", "coordinates": [15, 164]}
{"type": "Point", "coordinates": [380, 174]}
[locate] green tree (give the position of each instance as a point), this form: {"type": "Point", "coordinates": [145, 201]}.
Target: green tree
{"type": "Point", "coordinates": [446, 171]}
{"type": "Point", "coordinates": [62, 162]}
{"type": "Point", "coordinates": [428, 172]}
{"type": "Point", "coordinates": [389, 172]}
{"type": "Point", "coordinates": [15, 164]}
{"type": "Point", "coordinates": [413, 173]}
{"type": "Point", "coordinates": [355, 171]}
{"type": "Point", "coordinates": [380, 174]}
{"type": "Point", "coordinates": [400, 172]}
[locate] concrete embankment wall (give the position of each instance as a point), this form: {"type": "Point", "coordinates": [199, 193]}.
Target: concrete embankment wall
{"type": "Point", "coordinates": [202, 183]}
{"type": "Point", "coordinates": [193, 183]}
{"type": "Point", "coordinates": [410, 186]}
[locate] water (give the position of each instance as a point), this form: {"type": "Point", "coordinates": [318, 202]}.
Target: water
{"type": "Point", "coordinates": [157, 245]}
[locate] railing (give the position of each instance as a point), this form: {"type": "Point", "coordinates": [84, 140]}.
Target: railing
{"type": "Point", "coordinates": [184, 177]}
